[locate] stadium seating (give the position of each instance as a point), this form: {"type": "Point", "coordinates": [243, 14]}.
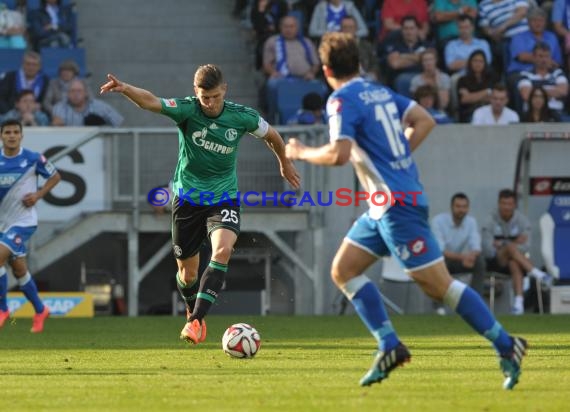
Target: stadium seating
{"type": "Point", "coordinates": [298, 14]}
{"type": "Point", "coordinates": [10, 59]}
{"type": "Point", "coordinates": [11, 4]}
{"type": "Point", "coordinates": [52, 57]}
{"type": "Point", "coordinates": [290, 94]}
{"type": "Point", "coordinates": [506, 279]}
{"type": "Point", "coordinates": [36, 4]}
{"type": "Point", "coordinates": [555, 234]}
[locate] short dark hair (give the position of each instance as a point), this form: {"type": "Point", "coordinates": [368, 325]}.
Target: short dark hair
{"type": "Point", "coordinates": [10, 122]}
{"type": "Point", "coordinates": [459, 195]}
{"type": "Point", "coordinates": [24, 93]}
{"type": "Point", "coordinates": [208, 77]}
{"type": "Point", "coordinates": [339, 52]}
{"type": "Point", "coordinates": [410, 17]}
{"type": "Point", "coordinates": [349, 17]}
{"type": "Point", "coordinates": [464, 17]}
{"type": "Point", "coordinates": [507, 194]}
{"type": "Point", "coordinates": [312, 101]}
{"type": "Point", "coordinates": [541, 46]}
{"type": "Point", "coordinates": [427, 90]}
{"type": "Point", "coordinates": [500, 87]}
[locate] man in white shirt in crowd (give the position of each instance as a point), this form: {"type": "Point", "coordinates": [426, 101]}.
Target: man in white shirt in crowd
{"type": "Point", "coordinates": [496, 113]}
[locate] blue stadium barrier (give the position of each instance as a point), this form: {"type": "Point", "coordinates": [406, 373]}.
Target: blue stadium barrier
{"type": "Point", "coordinates": [52, 57]}
{"type": "Point", "coordinates": [10, 59]}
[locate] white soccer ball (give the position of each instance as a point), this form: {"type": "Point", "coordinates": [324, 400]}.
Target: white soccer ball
{"type": "Point", "coordinates": [241, 341]}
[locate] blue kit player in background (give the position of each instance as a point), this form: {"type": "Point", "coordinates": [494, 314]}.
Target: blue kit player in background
{"type": "Point", "coordinates": [366, 124]}
{"type": "Point", "coordinates": [19, 170]}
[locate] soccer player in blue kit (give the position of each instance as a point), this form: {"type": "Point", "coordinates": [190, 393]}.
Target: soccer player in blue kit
{"type": "Point", "coordinates": [19, 193]}
{"type": "Point", "coordinates": [377, 129]}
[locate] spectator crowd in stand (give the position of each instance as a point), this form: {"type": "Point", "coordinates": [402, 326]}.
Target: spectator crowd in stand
{"type": "Point", "coordinates": [486, 62]}
{"type": "Point", "coordinates": [465, 49]}
{"type": "Point", "coordinates": [27, 93]}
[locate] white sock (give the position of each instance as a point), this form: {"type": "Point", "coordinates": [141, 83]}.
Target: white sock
{"type": "Point", "coordinates": [537, 273]}
{"type": "Point", "coordinates": [453, 294]}
{"type": "Point", "coordinates": [2, 271]}
{"type": "Point", "coordinates": [351, 287]}
{"type": "Point", "coordinates": [24, 279]}
{"type": "Point", "coordinates": [519, 302]}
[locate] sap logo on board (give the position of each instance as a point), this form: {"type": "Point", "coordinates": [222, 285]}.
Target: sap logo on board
{"type": "Point", "coordinates": [16, 303]}
{"type": "Point", "coordinates": [61, 306]}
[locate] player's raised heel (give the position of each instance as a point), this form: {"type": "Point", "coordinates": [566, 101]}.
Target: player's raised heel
{"type": "Point", "coordinates": [4, 316]}
{"type": "Point", "coordinates": [386, 362]}
{"type": "Point", "coordinates": [38, 321]}
{"type": "Point", "coordinates": [511, 364]}
{"type": "Point", "coordinates": [194, 332]}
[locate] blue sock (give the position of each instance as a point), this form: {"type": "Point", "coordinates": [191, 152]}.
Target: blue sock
{"type": "Point", "coordinates": [28, 286]}
{"type": "Point", "coordinates": [469, 305]}
{"type": "Point", "coordinates": [3, 289]}
{"type": "Point", "coordinates": [367, 301]}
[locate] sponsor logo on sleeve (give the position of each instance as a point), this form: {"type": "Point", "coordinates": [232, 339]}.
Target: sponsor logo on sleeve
{"type": "Point", "coordinates": [170, 102]}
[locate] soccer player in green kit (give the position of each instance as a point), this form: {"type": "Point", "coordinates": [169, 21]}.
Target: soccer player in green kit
{"type": "Point", "coordinates": [205, 181]}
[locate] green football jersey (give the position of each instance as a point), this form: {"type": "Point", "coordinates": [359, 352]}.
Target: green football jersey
{"type": "Point", "coordinates": [207, 157]}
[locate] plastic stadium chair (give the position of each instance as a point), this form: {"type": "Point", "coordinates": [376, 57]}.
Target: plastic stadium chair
{"type": "Point", "coordinates": [298, 14]}
{"type": "Point", "coordinates": [52, 57]}
{"type": "Point", "coordinates": [10, 59]}
{"type": "Point", "coordinates": [555, 234]}
{"type": "Point", "coordinates": [508, 289]}
{"type": "Point", "coordinates": [11, 4]}
{"type": "Point", "coordinates": [290, 93]}
{"type": "Point", "coordinates": [33, 4]}
{"type": "Point", "coordinates": [36, 4]}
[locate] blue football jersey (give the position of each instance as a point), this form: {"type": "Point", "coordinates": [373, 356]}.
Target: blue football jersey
{"type": "Point", "coordinates": [372, 116]}
{"type": "Point", "coordinates": [18, 177]}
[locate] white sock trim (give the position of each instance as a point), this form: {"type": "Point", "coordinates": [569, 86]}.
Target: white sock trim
{"type": "Point", "coordinates": [453, 294]}
{"type": "Point", "coordinates": [24, 279]}
{"type": "Point", "coordinates": [352, 287]}
{"type": "Point", "coordinates": [2, 271]}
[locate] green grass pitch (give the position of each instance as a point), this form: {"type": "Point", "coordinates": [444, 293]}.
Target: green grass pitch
{"type": "Point", "coordinates": [305, 364]}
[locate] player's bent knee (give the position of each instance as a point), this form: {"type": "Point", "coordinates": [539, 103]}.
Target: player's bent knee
{"type": "Point", "coordinates": [19, 267]}
{"type": "Point", "coordinates": [340, 275]}
{"type": "Point", "coordinates": [189, 275]}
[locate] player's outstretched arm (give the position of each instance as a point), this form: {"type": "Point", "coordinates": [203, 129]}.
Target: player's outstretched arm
{"type": "Point", "coordinates": [275, 143]}
{"type": "Point", "coordinates": [336, 153]}
{"type": "Point", "coordinates": [141, 97]}
{"type": "Point", "coordinates": [420, 124]}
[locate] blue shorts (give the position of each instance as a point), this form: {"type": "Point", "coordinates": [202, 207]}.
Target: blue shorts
{"type": "Point", "coordinates": [403, 232]}
{"type": "Point", "coordinates": [16, 239]}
